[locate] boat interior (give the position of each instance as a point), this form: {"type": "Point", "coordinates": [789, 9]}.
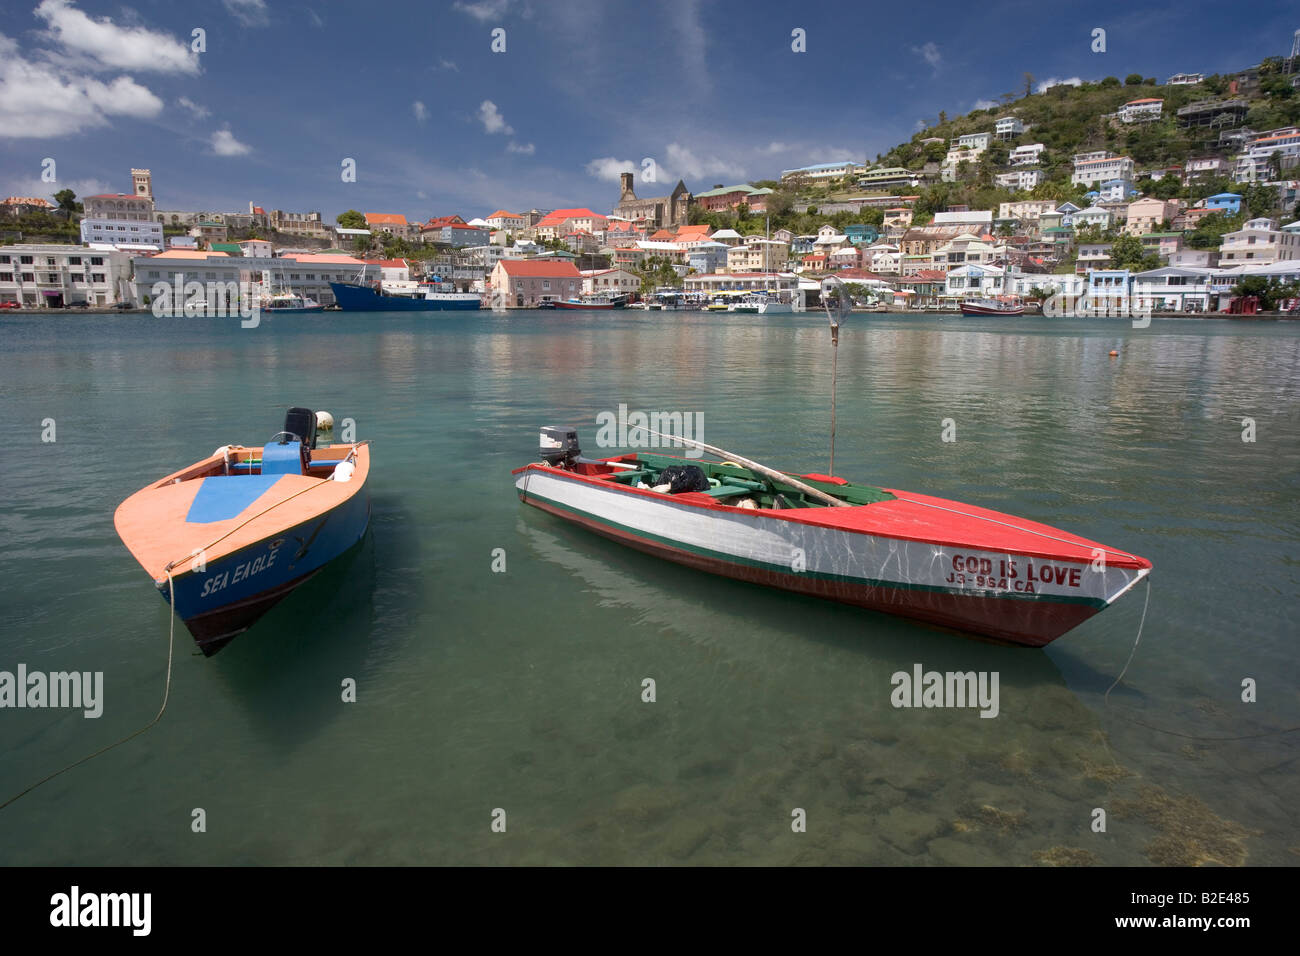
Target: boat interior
{"type": "Point", "coordinates": [730, 483]}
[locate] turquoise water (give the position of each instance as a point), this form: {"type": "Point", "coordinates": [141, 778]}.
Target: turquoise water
{"type": "Point", "coordinates": [522, 690]}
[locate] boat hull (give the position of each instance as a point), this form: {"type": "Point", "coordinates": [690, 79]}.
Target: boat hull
{"type": "Point", "coordinates": [224, 545]}
{"type": "Point", "coordinates": [1025, 598]}
{"type": "Point", "coordinates": [359, 298]}
{"type": "Point", "coordinates": [985, 310]}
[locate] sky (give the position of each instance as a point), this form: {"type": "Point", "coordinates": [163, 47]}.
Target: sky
{"type": "Point", "coordinates": [267, 101]}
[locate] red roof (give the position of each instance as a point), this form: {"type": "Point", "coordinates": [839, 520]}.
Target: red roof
{"type": "Point", "coordinates": [560, 215]}
{"type": "Point", "coordinates": [438, 222]}
{"type": "Point", "coordinates": [502, 214]}
{"type": "Point", "coordinates": [530, 268]}
{"type": "Point", "coordinates": [1148, 99]}
{"type": "Point", "coordinates": [27, 201]}
{"type": "Point", "coordinates": [259, 211]}
{"type": "Point", "coordinates": [663, 235]}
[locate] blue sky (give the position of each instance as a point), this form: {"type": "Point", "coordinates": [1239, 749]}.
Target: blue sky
{"type": "Point", "coordinates": [709, 89]}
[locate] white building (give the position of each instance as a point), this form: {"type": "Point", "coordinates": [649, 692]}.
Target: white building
{"type": "Point", "coordinates": [1185, 79]}
{"type": "Point", "coordinates": [1205, 167]}
{"type": "Point", "coordinates": [978, 219]}
{"type": "Point", "coordinates": [823, 171]}
{"type": "Point", "coordinates": [1028, 209]}
{"type": "Point", "coordinates": [1259, 242]}
{"type": "Point", "coordinates": [134, 234]}
{"type": "Point", "coordinates": [975, 282]}
{"type": "Point", "coordinates": [1253, 164]}
{"type": "Point", "coordinates": [1173, 288]}
{"type": "Point", "coordinates": [1093, 216]}
{"type": "Point", "coordinates": [1008, 127]}
{"type": "Point", "coordinates": [1026, 155]}
{"type": "Point", "coordinates": [1019, 179]}
{"type": "Point", "coordinates": [975, 141]}
{"type": "Point", "coordinates": [1145, 110]}
{"type": "Point", "coordinates": [306, 273]}
{"type": "Point", "coordinates": [1100, 170]}
{"type": "Point", "coordinates": [41, 275]}
{"type": "Point", "coordinates": [1093, 255]}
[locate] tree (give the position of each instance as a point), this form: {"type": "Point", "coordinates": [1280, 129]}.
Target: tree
{"type": "Point", "coordinates": [1109, 81]}
{"type": "Point", "coordinates": [1269, 293]}
{"type": "Point", "coordinates": [360, 245]}
{"type": "Point", "coordinates": [1133, 79]}
{"type": "Point", "coordinates": [351, 220]}
{"type": "Point", "coordinates": [1029, 84]}
{"type": "Point", "coordinates": [67, 201]}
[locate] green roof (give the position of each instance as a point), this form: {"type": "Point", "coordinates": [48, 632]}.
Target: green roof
{"type": "Point", "coordinates": [230, 247]}
{"type": "Point", "coordinates": [723, 190]}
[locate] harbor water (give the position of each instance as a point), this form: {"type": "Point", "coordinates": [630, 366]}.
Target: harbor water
{"type": "Point", "coordinates": [501, 657]}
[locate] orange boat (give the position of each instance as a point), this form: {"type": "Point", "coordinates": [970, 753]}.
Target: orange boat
{"type": "Point", "coordinates": [227, 537]}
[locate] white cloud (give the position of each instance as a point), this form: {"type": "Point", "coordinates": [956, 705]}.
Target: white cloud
{"type": "Point", "coordinates": [199, 112]}
{"type": "Point", "coordinates": [225, 144]}
{"type": "Point", "coordinates": [919, 125]}
{"type": "Point", "coordinates": [526, 150]}
{"type": "Point", "coordinates": [446, 64]}
{"type": "Point", "coordinates": [930, 53]}
{"type": "Point", "coordinates": [420, 110]}
{"type": "Point", "coordinates": [32, 186]}
{"type": "Point", "coordinates": [685, 164]}
{"type": "Point", "coordinates": [1046, 85]}
{"type": "Point", "coordinates": [251, 13]}
{"type": "Point", "coordinates": [41, 100]}
{"type": "Point", "coordinates": [492, 120]}
{"type": "Point", "coordinates": [607, 167]}
{"type": "Point", "coordinates": [986, 104]}
{"type": "Point", "coordinates": [316, 21]}
{"type": "Point", "coordinates": [107, 45]}
{"type": "Point", "coordinates": [482, 10]}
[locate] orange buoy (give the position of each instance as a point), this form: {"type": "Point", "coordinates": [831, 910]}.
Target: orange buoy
{"type": "Point", "coordinates": [1114, 352]}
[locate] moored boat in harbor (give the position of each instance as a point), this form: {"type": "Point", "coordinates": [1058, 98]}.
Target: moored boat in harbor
{"type": "Point", "coordinates": [1002, 305]}
{"type": "Point", "coordinates": [942, 562]}
{"type": "Point", "coordinates": [226, 538]}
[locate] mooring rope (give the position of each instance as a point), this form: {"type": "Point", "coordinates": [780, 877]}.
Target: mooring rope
{"type": "Point", "coordinates": [1162, 730]}
{"type": "Point", "coordinates": [167, 688]}
{"type": "Point", "coordinates": [171, 637]}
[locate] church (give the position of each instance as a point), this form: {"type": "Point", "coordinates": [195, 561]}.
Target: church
{"type": "Point", "coordinates": [665, 212]}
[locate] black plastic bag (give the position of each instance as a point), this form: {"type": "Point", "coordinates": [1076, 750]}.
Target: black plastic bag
{"type": "Point", "coordinates": [682, 478]}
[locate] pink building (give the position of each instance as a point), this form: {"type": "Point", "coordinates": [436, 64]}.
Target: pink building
{"type": "Point", "coordinates": [527, 282]}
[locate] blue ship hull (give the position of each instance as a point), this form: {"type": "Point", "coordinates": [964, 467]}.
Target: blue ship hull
{"type": "Point", "coordinates": [360, 298]}
{"type": "Point", "coordinates": [278, 565]}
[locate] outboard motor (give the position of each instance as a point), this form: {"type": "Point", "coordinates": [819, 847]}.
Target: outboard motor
{"type": "Point", "coordinates": [559, 445]}
{"type": "Point", "coordinates": [301, 422]}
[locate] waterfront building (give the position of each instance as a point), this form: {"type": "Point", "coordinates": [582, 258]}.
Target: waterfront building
{"type": "Point", "coordinates": [123, 233]}
{"type": "Point", "coordinates": [975, 281]}
{"type": "Point", "coordinates": [1108, 289]}
{"type": "Point", "coordinates": [53, 275]}
{"type": "Point", "coordinates": [1173, 288]}
{"type": "Point", "coordinates": [708, 257]}
{"type": "Point", "coordinates": [307, 273]}
{"type": "Point", "coordinates": [609, 282]}
{"type": "Point", "coordinates": [526, 282]}
{"type": "Point", "coordinates": [743, 282]}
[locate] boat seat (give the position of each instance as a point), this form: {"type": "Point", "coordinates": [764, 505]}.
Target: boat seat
{"type": "Point", "coordinates": [286, 459]}
{"type": "Point", "coordinates": [727, 491]}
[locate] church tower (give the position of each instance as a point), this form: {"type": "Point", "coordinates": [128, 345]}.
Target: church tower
{"type": "Point", "coordinates": [142, 180]}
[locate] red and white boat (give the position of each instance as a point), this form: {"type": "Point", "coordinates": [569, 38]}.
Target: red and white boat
{"type": "Point", "coordinates": [946, 563]}
{"type": "Point", "coordinates": [1002, 305]}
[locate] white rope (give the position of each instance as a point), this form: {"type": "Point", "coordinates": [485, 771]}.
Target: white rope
{"type": "Point", "coordinates": [1132, 653]}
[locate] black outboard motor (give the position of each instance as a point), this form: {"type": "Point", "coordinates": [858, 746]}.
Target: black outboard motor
{"type": "Point", "coordinates": [559, 445]}
{"type": "Point", "coordinates": [301, 422]}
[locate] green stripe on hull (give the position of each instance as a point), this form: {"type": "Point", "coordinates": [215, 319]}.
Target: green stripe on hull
{"type": "Point", "coordinates": [815, 575]}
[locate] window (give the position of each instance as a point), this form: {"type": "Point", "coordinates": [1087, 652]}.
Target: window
{"type": "Point", "coordinates": [29, 277]}
{"type": "Point", "coordinates": [96, 260]}
{"type": "Point", "coordinates": [6, 277]}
